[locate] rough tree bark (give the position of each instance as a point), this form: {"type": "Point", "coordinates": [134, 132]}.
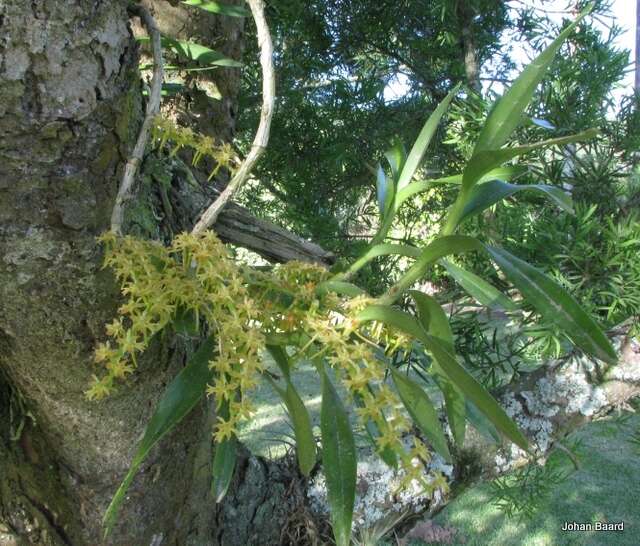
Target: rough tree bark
{"type": "Point", "coordinates": [69, 112]}
{"type": "Point", "coordinates": [466, 12]}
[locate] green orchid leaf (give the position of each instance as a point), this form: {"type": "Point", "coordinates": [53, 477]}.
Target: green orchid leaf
{"type": "Point", "coordinates": [382, 189]}
{"type": "Point", "coordinates": [555, 304]}
{"type": "Point", "coordinates": [447, 245]}
{"type": "Point", "coordinates": [484, 161]}
{"type": "Point", "coordinates": [475, 392]}
{"type": "Point", "coordinates": [224, 462]}
{"type": "Point", "coordinates": [484, 195]}
{"type": "Point", "coordinates": [396, 156]}
{"type": "Point", "coordinates": [432, 316]}
{"type": "Point", "coordinates": [434, 251]}
{"type": "Point", "coordinates": [501, 173]}
{"type": "Point", "coordinates": [281, 358]}
{"type": "Point", "coordinates": [340, 288]}
{"type": "Point", "coordinates": [198, 53]}
{"type": "Point", "coordinates": [482, 424]}
{"type": "Point", "coordinates": [219, 8]}
{"type": "Point", "coordinates": [383, 249]}
{"type": "Point", "coordinates": [424, 139]}
{"type": "Point", "coordinates": [507, 112]}
{"type": "Point", "coordinates": [300, 420]}
{"type": "Point", "coordinates": [339, 461]}
{"type": "Point", "coordinates": [419, 406]}
{"type": "Point", "coordinates": [479, 289]}
{"type": "Point", "coordinates": [435, 322]}
{"type": "Point", "coordinates": [462, 379]}
{"type": "Point", "coordinates": [180, 397]}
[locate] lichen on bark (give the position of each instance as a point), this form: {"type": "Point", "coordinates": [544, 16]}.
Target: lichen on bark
{"type": "Point", "coordinates": [70, 108]}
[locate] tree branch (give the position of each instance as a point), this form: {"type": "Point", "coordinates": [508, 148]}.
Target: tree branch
{"type": "Point", "coordinates": [125, 192]}
{"type": "Point", "coordinates": [237, 226]}
{"type": "Point", "coordinates": [261, 139]}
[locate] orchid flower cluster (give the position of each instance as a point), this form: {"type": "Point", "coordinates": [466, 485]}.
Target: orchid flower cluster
{"type": "Point", "coordinates": [245, 309]}
{"type": "Point", "coordinates": [165, 132]}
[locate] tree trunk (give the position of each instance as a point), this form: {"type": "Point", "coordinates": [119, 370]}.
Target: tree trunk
{"type": "Point", "coordinates": [69, 111]}
{"type": "Point", "coordinates": [465, 13]}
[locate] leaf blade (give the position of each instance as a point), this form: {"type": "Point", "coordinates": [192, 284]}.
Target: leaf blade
{"type": "Point", "coordinates": [300, 419]}
{"type": "Point", "coordinates": [419, 406]}
{"type": "Point", "coordinates": [484, 292]}
{"type": "Point", "coordinates": [502, 173]}
{"type": "Point", "coordinates": [424, 139]}
{"type": "Point", "coordinates": [555, 304]}
{"type": "Point", "coordinates": [462, 379]}
{"type": "Point", "coordinates": [224, 463]}
{"type": "Point", "coordinates": [340, 288]}
{"type": "Point", "coordinates": [180, 397]}
{"type": "Point", "coordinates": [217, 7]}
{"type": "Point", "coordinates": [435, 322]}
{"type": "Point", "coordinates": [507, 113]}
{"type": "Point", "coordinates": [339, 461]}
{"type": "Point", "coordinates": [485, 195]}
{"type": "Point", "coordinates": [484, 161]}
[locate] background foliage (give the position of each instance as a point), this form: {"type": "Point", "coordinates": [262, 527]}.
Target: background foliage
{"type": "Point", "coordinates": [339, 66]}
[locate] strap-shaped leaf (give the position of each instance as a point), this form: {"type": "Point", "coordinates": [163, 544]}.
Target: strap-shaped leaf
{"type": "Point", "coordinates": [419, 406]}
{"type": "Point", "coordinates": [481, 423]}
{"type": "Point", "coordinates": [396, 156]}
{"type": "Point", "coordinates": [479, 289]}
{"type": "Point", "coordinates": [485, 195]}
{"type": "Point", "coordinates": [178, 400]}
{"type": "Point", "coordinates": [339, 461]}
{"type": "Point", "coordinates": [435, 322]}
{"type": "Point", "coordinates": [484, 161]}
{"type": "Point", "coordinates": [339, 287]}
{"type": "Point", "coordinates": [224, 463]}
{"type": "Point", "coordinates": [424, 139]}
{"type": "Point", "coordinates": [456, 373]}
{"type": "Point", "coordinates": [434, 251]}
{"type": "Point", "coordinates": [551, 300]}
{"type": "Point", "coordinates": [376, 251]}
{"type": "Point", "coordinates": [555, 304]}
{"type": "Point", "coordinates": [300, 420]}
{"type": "Point", "coordinates": [217, 7]}
{"type": "Point", "coordinates": [501, 173]}
{"type": "Point", "coordinates": [382, 190]}
{"type": "Point", "coordinates": [475, 392]}
{"type": "Point", "coordinates": [281, 358]}
{"type": "Point", "coordinates": [507, 113]}
{"type": "Point", "coordinates": [411, 164]}
{"type": "Point", "coordinates": [432, 316]}
{"type": "Point", "coordinates": [191, 51]}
